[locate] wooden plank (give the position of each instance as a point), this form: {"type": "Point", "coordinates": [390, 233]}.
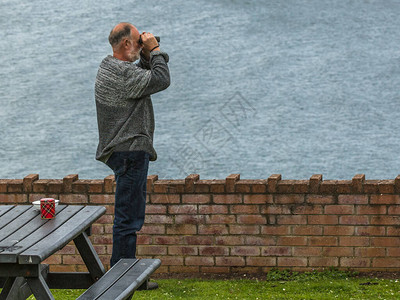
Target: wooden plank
{"type": "Point", "coordinates": [39, 288]}
{"type": "Point", "coordinates": [12, 214]}
{"type": "Point", "coordinates": [17, 223]}
{"type": "Point", "coordinates": [133, 279]}
{"type": "Point", "coordinates": [62, 235]}
{"type": "Point", "coordinates": [25, 237]}
{"type": "Point", "coordinates": [4, 209]}
{"type": "Point", "coordinates": [104, 283]}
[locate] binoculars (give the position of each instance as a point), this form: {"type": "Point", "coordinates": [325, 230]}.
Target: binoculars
{"type": "Point", "coordinates": [141, 42]}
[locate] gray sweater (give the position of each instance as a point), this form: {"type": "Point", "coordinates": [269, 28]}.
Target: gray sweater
{"type": "Point", "coordinates": [125, 115]}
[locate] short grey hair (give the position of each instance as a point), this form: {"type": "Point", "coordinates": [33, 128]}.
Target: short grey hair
{"type": "Point", "coordinates": [116, 37]}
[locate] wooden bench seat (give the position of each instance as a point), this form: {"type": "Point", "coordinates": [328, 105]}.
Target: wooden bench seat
{"type": "Point", "coordinates": [121, 281]}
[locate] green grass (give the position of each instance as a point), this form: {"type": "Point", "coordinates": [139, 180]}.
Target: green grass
{"type": "Point", "coordinates": [330, 284]}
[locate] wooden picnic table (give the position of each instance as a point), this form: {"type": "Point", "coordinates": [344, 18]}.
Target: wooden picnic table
{"type": "Point", "coordinates": [26, 241]}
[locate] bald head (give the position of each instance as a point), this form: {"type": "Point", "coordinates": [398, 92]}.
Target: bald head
{"type": "Point", "coordinates": [120, 32]}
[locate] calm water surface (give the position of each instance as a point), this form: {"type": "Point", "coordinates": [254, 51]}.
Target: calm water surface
{"type": "Point", "coordinates": [296, 87]}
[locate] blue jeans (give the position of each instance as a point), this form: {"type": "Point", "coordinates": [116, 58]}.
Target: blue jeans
{"type": "Point", "coordinates": [130, 169]}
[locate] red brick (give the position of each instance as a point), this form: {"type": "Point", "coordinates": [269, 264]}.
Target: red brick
{"type": "Point", "coordinates": [307, 251]}
{"type": "Point", "coordinates": [315, 181]}
{"type": "Point", "coordinates": [275, 230]}
{"type": "Point", "coordinates": [213, 209]}
{"type": "Point", "coordinates": [243, 186]}
{"type": "Point", "coordinates": [152, 250]}
{"type": "Point", "coordinates": [105, 198]}
{"type": "Point", "coordinates": [15, 186]}
{"type": "Point", "coordinates": [385, 242]}
{"type": "Point", "coordinates": [392, 251]}
{"type": "Point", "coordinates": [318, 199]}
{"type": "Point", "coordinates": [354, 241]}
{"type": "Point", "coordinates": [370, 230]}
{"type": "Point", "coordinates": [285, 187]}
{"type": "Point", "coordinates": [323, 261]}
{"type": "Point", "coordinates": [196, 198]}
{"type": "Point", "coordinates": [328, 187]}
{"type": "Point", "coordinates": [260, 241]}
{"type": "Point", "coordinates": [338, 230]}
{"type": "Point", "coordinates": [227, 199]}
{"type": "Point", "coordinates": [292, 262]}
{"type": "Point", "coordinates": [259, 186]}
{"type": "Point", "coordinates": [190, 219]}
{"type": "Point", "coordinates": [182, 229]}
{"type": "Point", "coordinates": [213, 251]}
{"type": "Point", "coordinates": [155, 209]}
{"type": "Point", "coordinates": [215, 270]}
{"type": "Point", "coordinates": [393, 210]}
{"type": "Point", "coordinates": [231, 181]}
{"type": "Point", "coordinates": [158, 219]}
{"type": "Point", "coordinates": [182, 209]}
{"type": "Point", "coordinates": [354, 220]}
{"type": "Point", "coordinates": [301, 186]}
{"type": "Point", "coordinates": [230, 261]}
{"type": "Point", "coordinates": [229, 240]}
{"type": "Point", "coordinates": [167, 240]}
{"type": "Point", "coordinates": [172, 261]}
{"type": "Point", "coordinates": [73, 199]}
{"type": "Point", "coordinates": [307, 230]}
{"type": "Point", "coordinates": [202, 186]}
{"type": "Point", "coordinates": [323, 241]}
{"type": "Point", "coordinates": [337, 251]}
{"type": "Point", "coordinates": [307, 210]}
{"type": "Point", "coordinates": [386, 263]}
{"type": "Point", "coordinates": [385, 199]}
{"type": "Point", "coordinates": [261, 261]}
{"type": "Point", "coordinates": [251, 219]}
{"type": "Point", "coordinates": [245, 251]}
{"type": "Point", "coordinates": [393, 231]}
{"type": "Point", "coordinates": [165, 198]}
{"type": "Point", "coordinates": [292, 240]}
{"type": "Point", "coordinates": [182, 250]}
{"type": "Point", "coordinates": [153, 229]}
{"type": "Point", "coordinates": [291, 219]}
{"type": "Point", "coordinates": [339, 209]}
{"type": "Point", "coordinates": [220, 219]}
{"type": "Point", "coordinates": [272, 182]}
{"type": "Point", "coordinates": [102, 239]}
{"type": "Point", "coordinates": [54, 259]}
{"type": "Point", "coordinates": [385, 220]}
{"type": "Point", "coordinates": [105, 219]}
{"type": "Point", "coordinates": [275, 210]}
{"type": "Point", "coordinates": [323, 219]}
{"type": "Point", "coordinates": [244, 229]}
{"type": "Point", "coordinates": [96, 186]}
{"type": "Point", "coordinates": [13, 198]}
{"type": "Point", "coordinates": [258, 199]}
{"type": "Point", "coordinates": [386, 186]}
{"type": "Point", "coordinates": [213, 229]}
{"type": "Point", "coordinates": [189, 182]}
{"type": "Point", "coordinates": [289, 199]}
{"type": "Point", "coordinates": [3, 185]}
{"type": "Point", "coordinates": [352, 262]}
{"type": "Point", "coordinates": [370, 252]}
{"type": "Point", "coordinates": [245, 209]}
{"type": "Point", "coordinates": [344, 186]}
{"type": "Point", "coordinates": [276, 251]}
{"type": "Point", "coordinates": [371, 186]}
{"type": "Point", "coordinates": [184, 269]}
{"type": "Point", "coordinates": [353, 199]}
{"type": "Point", "coordinates": [72, 260]}
{"type": "Point", "coordinates": [371, 210]}
{"type": "Point", "coordinates": [199, 261]}
{"type": "Point", "coordinates": [68, 249]}
{"type": "Point", "coordinates": [217, 186]}
{"type": "Point", "coordinates": [198, 240]}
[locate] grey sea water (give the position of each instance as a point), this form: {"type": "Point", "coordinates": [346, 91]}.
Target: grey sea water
{"type": "Point", "coordinates": [296, 87]}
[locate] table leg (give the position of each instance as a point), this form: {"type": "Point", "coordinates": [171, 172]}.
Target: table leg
{"type": "Point", "coordinates": [15, 288]}
{"type": "Point", "coordinates": [89, 256]}
{"type": "Point", "coordinates": [39, 288]}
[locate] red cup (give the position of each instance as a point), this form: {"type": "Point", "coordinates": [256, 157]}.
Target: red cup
{"type": "Point", "coordinates": [47, 208]}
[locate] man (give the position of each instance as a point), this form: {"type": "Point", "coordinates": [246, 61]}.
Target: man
{"type": "Point", "coordinates": [125, 119]}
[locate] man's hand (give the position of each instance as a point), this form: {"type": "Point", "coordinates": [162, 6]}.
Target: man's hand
{"type": "Point", "coordinates": [149, 44]}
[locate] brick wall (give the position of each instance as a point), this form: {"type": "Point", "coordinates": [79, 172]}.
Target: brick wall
{"type": "Point", "coordinates": [235, 225]}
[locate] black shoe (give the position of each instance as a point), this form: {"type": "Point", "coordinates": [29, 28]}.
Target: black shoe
{"type": "Point", "coordinates": [147, 285]}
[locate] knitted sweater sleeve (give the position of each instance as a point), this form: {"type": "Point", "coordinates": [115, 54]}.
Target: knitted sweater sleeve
{"type": "Point", "coordinates": [142, 82]}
